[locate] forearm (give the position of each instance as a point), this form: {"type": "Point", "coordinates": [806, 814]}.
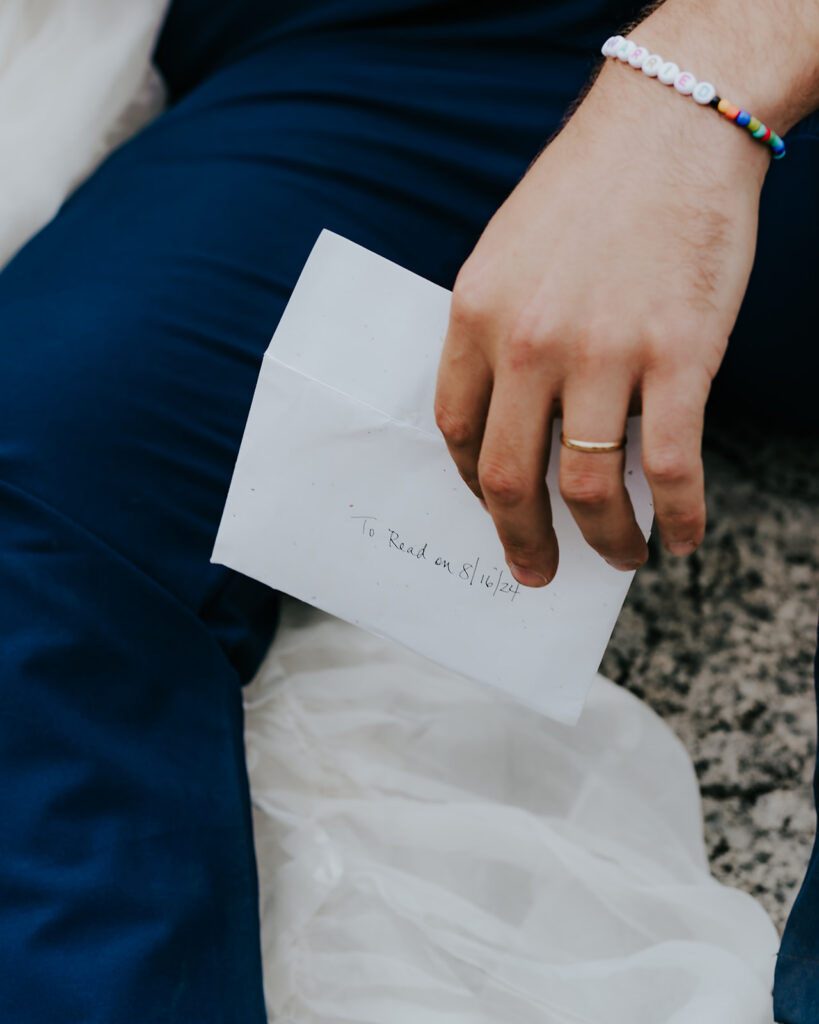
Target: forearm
{"type": "Point", "coordinates": [763, 55]}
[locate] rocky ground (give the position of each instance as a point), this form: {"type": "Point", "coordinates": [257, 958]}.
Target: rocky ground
{"type": "Point", "coordinates": [721, 645]}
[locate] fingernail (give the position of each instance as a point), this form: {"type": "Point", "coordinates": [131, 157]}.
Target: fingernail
{"type": "Point", "coordinates": [682, 547]}
{"type": "Point", "coordinates": [527, 577]}
{"type": "Point", "coordinates": [624, 566]}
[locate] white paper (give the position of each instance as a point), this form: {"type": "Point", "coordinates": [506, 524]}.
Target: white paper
{"type": "Point", "coordinates": [341, 464]}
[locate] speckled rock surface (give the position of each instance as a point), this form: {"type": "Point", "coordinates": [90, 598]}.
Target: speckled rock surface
{"type": "Point", "coordinates": [722, 644]}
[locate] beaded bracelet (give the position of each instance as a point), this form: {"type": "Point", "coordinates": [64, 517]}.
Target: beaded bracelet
{"type": "Point", "coordinates": [667, 72]}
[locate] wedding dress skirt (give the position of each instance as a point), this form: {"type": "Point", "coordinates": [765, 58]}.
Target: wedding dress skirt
{"type": "Point", "coordinates": [428, 853]}
{"type": "Point", "coordinates": [431, 854]}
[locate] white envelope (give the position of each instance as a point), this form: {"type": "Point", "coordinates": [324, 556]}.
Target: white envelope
{"type": "Point", "coordinates": [344, 494]}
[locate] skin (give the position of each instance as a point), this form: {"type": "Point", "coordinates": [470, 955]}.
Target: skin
{"type": "Point", "coordinates": [609, 282]}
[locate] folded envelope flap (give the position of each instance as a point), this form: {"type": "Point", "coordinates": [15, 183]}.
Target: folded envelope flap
{"type": "Point", "coordinates": [340, 328]}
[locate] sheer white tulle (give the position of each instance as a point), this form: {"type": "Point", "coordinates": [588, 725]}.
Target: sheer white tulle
{"type": "Point", "coordinates": [428, 854]}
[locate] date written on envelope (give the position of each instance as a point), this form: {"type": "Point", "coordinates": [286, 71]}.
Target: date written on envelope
{"type": "Point", "coordinates": [344, 494]}
{"type": "Point", "coordinates": [490, 579]}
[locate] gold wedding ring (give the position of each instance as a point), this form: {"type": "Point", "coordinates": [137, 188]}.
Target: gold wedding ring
{"type": "Point", "coordinates": [592, 447]}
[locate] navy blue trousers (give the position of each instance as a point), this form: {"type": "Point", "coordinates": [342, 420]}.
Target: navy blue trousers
{"type": "Point", "coordinates": [133, 328]}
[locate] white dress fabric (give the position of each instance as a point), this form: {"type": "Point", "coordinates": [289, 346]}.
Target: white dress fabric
{"type": "Point", "coordinates": [432, 854]}
{"type": "Point", "coordinates": [75, 79]}
{"type": "Point", "coordinates": [428, 852]}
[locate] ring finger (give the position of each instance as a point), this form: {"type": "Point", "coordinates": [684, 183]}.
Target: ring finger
{"type": "Point", "coordinates": [591, 482]}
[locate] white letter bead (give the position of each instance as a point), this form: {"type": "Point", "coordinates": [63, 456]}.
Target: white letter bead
{"type": "Point", "coordinates": [638, 56]}
{"type": "Point", "coordinates": [609, 48]}
{"type": "Point", "coordinates": [668, 72]}
{"type": "Point", "coordinates": [652, 64]}
{"type": "Point", "coordinates": [704, 92]}
{"type": "Point", "coordinates": [685, 83]}
{"type": "Point", "coordinates": [625, 50]}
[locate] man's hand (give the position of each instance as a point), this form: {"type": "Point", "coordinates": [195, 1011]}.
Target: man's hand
{"type": "Point", "coordinates": [608, 281]}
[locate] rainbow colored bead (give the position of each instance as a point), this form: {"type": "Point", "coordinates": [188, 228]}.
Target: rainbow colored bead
{"type": "Point", "coordinates": [761, 132]}
{"type": "Point", "coordinates": [667, 72]}
{"type": "Point", "coordinates": [728, 110]}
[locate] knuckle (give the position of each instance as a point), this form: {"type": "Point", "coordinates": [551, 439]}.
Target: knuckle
{"type": "Point", "coordinates": [503, 483]}
{"type": "Point", "coordinates": [523, 553]}
{"type": "Point", "coordinates": [533, 339]}
{"type": "Point", "coordinates": [458, 430]}
{"type": "Point", "coordinates": [667, 465]}
{"type": "Point", "coordinates": [683, 521]}
{"type": "Point", "coordinates": [662, 341]}
{"type": "Point", "coordinates": [524, 350]}
{"type": "Point", "coordinates": [470, 306]}
{"type": "Point", "coordinates": [656, 348]}
{"type": "Point", "coordinates": [582, 487]}
{"type": "Point", "coordinates": [598, 344]}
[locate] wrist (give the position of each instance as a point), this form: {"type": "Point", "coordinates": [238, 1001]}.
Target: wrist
{"type": "Point", "coordinates": [684, 141]}
{"type": "Point", "coordinates": [761, 57]}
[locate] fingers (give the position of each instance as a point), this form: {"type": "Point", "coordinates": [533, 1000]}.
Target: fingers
{"type": "Point", "coordinates": [592, 484]}
{"type": "Point", "coordinates": [494, 407]}
{"type": "Point", "coordinates": [673, 407]}
{"type": "Point", "coordinates": [512, 474]}
{"type": "Point", "coordinates": [463, 390]}
{"type": "Point", "coordinates": [497, 431]}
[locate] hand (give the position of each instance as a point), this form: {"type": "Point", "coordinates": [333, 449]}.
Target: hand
{"type": "Point", "coordinates": [608, 281]}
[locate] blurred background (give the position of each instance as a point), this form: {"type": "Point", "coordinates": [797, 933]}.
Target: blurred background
{"type": "Point", "coordinates": [722, 645]}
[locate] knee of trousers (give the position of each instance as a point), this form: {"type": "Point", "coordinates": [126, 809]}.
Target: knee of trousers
{"type": "Point", "coordinates": [127, 878]}
{"type": "Point", "coordinates": [122, 419]}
